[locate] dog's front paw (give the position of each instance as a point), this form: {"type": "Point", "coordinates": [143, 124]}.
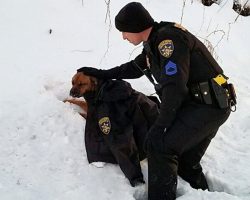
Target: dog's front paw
{"type": "Point", "coordinates": [69, 101]}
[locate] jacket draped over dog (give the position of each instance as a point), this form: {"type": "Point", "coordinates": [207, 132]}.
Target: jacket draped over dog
{"type": "Point", "coordinates": [117, 122]}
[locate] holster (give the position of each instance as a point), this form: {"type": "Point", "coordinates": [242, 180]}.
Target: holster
{"type": "Point", "coordinates": [220, 94]}
{"type": "Point", "coordinates": [224, 92]}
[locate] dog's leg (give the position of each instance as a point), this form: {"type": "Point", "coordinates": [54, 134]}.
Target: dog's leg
{"type": "Point", "coordinates": [84, 115]}
{"type": "Point", "coordinates": [82, 104]}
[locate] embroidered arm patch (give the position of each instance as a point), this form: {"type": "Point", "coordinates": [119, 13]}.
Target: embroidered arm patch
{"type": "Point", "coordinates": [166, 48]}
{"type": "Point", "coordinates": [105, 125]}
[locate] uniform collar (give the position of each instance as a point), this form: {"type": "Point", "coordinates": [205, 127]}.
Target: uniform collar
{"type": "Point", "coordinates": [153, 31]}
{"type": "Point", "coordinates": [156, 26]}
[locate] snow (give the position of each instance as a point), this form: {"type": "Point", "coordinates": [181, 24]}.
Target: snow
{"type": "Point", "coordinates": [42, 139]}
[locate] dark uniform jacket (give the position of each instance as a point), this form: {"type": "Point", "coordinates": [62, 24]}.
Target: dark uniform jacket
{"type": "Point", "coordinates": [117, 121]}
{"type": "Point", "coordinates": [176, 59]}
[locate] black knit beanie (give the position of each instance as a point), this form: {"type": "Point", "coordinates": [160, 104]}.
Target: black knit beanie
{"type": "Point", "coordinates": [133, 18]}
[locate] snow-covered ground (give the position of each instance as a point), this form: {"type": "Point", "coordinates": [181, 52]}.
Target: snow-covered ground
{"type": "Point", "coordinates": [42, 139]}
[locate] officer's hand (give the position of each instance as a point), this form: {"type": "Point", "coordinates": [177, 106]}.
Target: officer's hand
{"type": "Point", "coordinates": [137, 182]}
{"type": "Point", "coordinates": [91, 71]}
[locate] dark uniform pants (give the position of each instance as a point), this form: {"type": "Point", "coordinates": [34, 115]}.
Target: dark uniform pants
{"type": "Point", "coordinates": [180, 150]}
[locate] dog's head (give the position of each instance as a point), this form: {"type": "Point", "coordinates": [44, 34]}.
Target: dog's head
{"type": "Point", "coordinates": [81, 84]}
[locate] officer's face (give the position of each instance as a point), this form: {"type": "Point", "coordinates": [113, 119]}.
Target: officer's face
{"type": "Point", "coordinates": [134, 38]}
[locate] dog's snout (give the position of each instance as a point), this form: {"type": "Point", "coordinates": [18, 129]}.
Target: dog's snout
{"type": "Point", "coordinates": [74, 92]}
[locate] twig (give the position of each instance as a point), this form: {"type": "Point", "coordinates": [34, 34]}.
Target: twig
{"type": "Point", "coordinates": [209, 24]}
{"type": "Point", "coordinates": [203, 18]}
{"type": "Point", "coordinates": [209, 45]}
{"type": "Point", "coordinates": [130, 54]}
{"type": "Point", "coordinates": [242, 8]}
{"type": "Point", "coordinates": [108, 11]}
{"type": "Point", "coordinates": [216, 31]}
{"type": "Point", "coordinates": [229, 24]}
{"type": "Point", "coordinates": [107, 17]}
{"type": "Point", "coordinates": [222, 6]}
{"type": "Point", "coordinates": [182, 12]}
{"type": "Point", "coordinates": [229, 29]}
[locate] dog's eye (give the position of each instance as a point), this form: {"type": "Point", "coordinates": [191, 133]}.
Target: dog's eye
{"type": "Point", "coordinates": [82, 84]}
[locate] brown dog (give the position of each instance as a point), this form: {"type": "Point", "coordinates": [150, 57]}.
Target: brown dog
{"type": "Point", "coordinates": [81, 84]}
{"type": "Point", "coordinates": [117, 123]}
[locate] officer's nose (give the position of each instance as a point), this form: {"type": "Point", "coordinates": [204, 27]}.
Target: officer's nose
{"type": "Point", "coordinates": [124, 35]}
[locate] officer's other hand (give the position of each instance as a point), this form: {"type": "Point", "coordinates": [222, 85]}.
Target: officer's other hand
{"type": "Point", "coordinates": [91, 71]}
{"type": "Point", "coordinates": [136, 182]}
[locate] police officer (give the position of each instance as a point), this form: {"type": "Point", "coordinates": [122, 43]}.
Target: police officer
{"type": "Point", "coordinates": [194, 93]}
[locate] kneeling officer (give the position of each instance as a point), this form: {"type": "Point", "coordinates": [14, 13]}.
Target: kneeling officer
{"type": "Point", "coordinates": [195, 97]}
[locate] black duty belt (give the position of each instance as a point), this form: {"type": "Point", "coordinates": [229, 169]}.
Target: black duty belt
{"type": "Point", "coordinates": [215, 91]}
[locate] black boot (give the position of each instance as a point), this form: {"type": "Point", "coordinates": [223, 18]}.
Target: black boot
{"type": "Point", "coordinates": [162, 176]}
{"type": "Point", "coordinates": [200, 183]}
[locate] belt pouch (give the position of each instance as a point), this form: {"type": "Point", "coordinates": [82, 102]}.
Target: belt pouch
{"type": "Point", "coordinates": [205, 92]}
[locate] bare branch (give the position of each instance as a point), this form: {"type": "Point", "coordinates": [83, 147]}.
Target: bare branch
{"type": "Point", "coordinates": [203, 18]}
{"type": "Point", "coordinates": [229, 29]}
{"type": "Point", "coordinates": [210, 46]}
{"type": "Point", "coordinates": [130, 54]}
{"type": "Point", "coordinates": [239, 13]}
{"type": "Point", "coordinates": [107, 17]}
{"type": "Point", "coordinates": [182, 12]}
{"type": "Point", "coordinates": [216, 31]}
{"type": "Point", "coordinates": [108, 11]}
{"type": "Point", "coordinates": [241, 10]}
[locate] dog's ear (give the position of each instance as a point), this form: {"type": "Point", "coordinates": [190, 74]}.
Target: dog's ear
{"type": "Point", "coordinates": [93, 83]}
{"type": "Point", "coordinates": [93, 80]}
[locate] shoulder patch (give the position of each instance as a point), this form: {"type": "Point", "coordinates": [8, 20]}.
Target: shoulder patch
{"type": "Point", "coordinates": [179, 26]}
{"type": "Point", "coordinates": [105, 125]}
{"type": "Point", "coordinates": [170, 68]}
{"type": "Point", "coordinates": [166, 48]}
